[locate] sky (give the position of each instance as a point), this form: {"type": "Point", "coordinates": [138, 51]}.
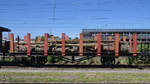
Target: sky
{"type": "Point", "coordinates": [71, 16]}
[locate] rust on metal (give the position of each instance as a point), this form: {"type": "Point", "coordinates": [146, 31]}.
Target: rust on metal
{"type": "Point", "coordinates": [38, 39]}
{"type": "Point", "coordinates": [109, 37]}
{"type": "Point", "coordinates": [95, 37]}
{"type": "Point", "coordinates": [52, 38]}
{"type": "Point", "coordinates": [67, 37]}
{"type": "Point", "coordinates": [25, 38]}
{"type": "Point", "coordinates": [124, 39]}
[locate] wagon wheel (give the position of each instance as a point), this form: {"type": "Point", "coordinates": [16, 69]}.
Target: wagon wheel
{"type": "Point", "coordinates": [108, 61]}
{"type": "Point", "coordinates": [38, 61]}
{"type": "Point", "coordinates": [33, 61]}
{"type": "Point", "coordinates": [42, 60]}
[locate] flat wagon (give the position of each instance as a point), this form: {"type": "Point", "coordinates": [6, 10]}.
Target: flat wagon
{"type": "Point", "coordinates": [106, 44]}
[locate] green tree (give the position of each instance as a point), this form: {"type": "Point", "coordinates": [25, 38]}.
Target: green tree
{"type": "Point", "coordinates": [42, 38]}
{"type": "Point", "coordinates": [76, 38]}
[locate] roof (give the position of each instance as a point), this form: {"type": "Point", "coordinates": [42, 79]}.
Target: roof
{"type": "Point", "coordinates": [117, 30]}
{"type": "Point", "coordinates": [3, 29]}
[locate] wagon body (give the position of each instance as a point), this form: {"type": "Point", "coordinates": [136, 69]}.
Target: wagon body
{"type": "Point", "coordinates": [107, 44]}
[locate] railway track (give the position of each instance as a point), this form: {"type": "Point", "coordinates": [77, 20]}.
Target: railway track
{"type": "Point", "coordinates": [77, 66]}
{"type": "Point", "coordinates": [75, 69]}
{"type": "Point", "coordinates": [48, 83]}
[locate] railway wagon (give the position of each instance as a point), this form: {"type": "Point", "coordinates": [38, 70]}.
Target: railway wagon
{"type": "Point", "coordinates": [107, 44]}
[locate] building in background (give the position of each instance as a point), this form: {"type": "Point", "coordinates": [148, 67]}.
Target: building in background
{"type": "Point", "coordinates": [91, 33]}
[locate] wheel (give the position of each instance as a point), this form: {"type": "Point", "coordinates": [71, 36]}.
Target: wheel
{"type": "Point", "coordinates": [108, 61]}
{"type": "Point", "coordinates": [42, 60]}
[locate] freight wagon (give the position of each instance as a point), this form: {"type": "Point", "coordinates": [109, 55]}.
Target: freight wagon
{"type": "Point", "coordinates": [106, 44]}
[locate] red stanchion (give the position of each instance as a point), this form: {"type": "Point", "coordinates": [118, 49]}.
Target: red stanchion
{"type": "Point", "coordinates": [28, 44]}
{"type": "Point", "coordinates": [63, 44]}
{"type": "Point", "coordinates": [99, 44]}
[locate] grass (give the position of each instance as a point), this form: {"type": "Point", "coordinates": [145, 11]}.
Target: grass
{"type": "Point", "coordinates": [74, 77]}
{"type": "Point", "coordinates": [6, 59]}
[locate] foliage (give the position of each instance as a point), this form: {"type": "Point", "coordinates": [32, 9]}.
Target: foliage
{"type": "Point", "coordinates": [42, 38]}
{"type": "Point", "coordinates": [53, 59]}
{"type": "Point", "coordinates": [142, 58]}
{"type": "Point", "coordinates": [76, 38]}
